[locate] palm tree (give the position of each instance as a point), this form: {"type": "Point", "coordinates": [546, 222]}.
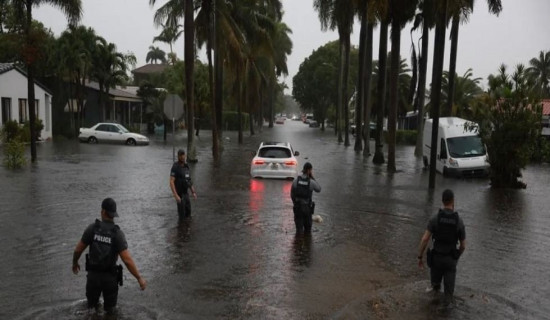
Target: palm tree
{"type": "Point", "coordinates": [73, 11]}
{"type": "Point", "coordinates": [155, 54]}
{"type": "Point", "coordinates": [378, 157]}
{"type": "Point", "coordinates": [169, 34]}
{"type": "Point", "coordinates": [460, 11]}
{"type": "Point", "coordinates": [467, 89]}
{"type": "Point", "coordinates": [340, 14]}
{"type": "Point", "coordinates": [437, 73]}
{"type": "Point", "coordinates": [426, 18]}
{"type": "Point", "coordinates": [539, 72]}
{"type": "Point", "coordinates": [189, 57]}
{"type": "Point", "coordinates": [401, 11]}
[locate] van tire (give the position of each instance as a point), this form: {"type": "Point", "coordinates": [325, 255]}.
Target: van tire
{"type": "Point", "coordinates": [425, 160]}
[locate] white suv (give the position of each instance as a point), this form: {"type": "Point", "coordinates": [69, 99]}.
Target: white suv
{"type": "Point", "coordinates": [274, 160]}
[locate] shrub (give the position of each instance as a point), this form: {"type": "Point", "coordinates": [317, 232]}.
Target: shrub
{"type": "Point", "coordinates": [14, 148]}
{"type": "Point", "coordinates": [26, 134]}
{"type": "Point", "coordinates": [14, 154]}
{"type": "Point", "coordinates": [541, 152]}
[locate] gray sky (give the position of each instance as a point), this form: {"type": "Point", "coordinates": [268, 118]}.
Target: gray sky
{"type": "Point", "coordinates": [517, 35]}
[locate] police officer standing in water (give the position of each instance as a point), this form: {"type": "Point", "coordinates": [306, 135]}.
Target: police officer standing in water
{"type": "Point", "coordinates": [107, 242]}
{"type": "Point", "coordinates": [180, 183]}
{"type": "Point", "coordinates": [446, 229]}
{"type": "Point", "coordinates": [301, 194]}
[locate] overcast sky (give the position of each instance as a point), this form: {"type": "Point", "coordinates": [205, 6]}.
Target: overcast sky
{"type": "Point", "coordinates": [517, 35]}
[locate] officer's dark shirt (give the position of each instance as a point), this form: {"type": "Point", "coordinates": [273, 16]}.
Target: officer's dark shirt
{"type": "Point", "coordinates": [182, 176]}
{"type": "Point", "coordinates": [432, 227]}
{"type": "Point", "coordinates": [119, 240]}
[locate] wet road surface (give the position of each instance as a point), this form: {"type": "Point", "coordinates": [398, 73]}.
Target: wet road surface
{"type": "Point", "coordinates": [238, 257]}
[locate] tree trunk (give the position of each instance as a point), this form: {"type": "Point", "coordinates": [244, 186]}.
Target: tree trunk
{"type": "Point", "coordinates": [452, 66]}
{"type": "Point", "coordinates": [271, 98]}
{"type": "Point", "coordinates": [239, 108]}
{"type": "Point", "coordinates": [382, 57]}
{"type": "Point", "coordinates": [367, 101]}
{"type": "Point", "coordinates": [437, 73]}
{"type": "Point", "coordinates": [339, 123]}
{"type": "Point", "coordinates": [360, 83]}
{"type": "Point", "coordinates": [189, 57]}
{"type": "Point", "coordinates": [421, 93]}
{"type": "Point", "coordinates": [218, 67]}
{"type": "Point", "coordinates": [30, 80]}
{"type": "Point", "coordinates": [345, 89]}
{"type": "Point", "coordinates": [394, 76]}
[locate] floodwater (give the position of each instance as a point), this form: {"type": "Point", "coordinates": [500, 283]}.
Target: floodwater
{"type": "Point", "coordinates": [238, 257]}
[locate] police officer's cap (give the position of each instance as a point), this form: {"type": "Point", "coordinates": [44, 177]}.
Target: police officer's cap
{"type": "Point", "coordinates": [109, 205]}
{"type": "Point", "coordinates": [447, 196]}
{"type": "Point", "coordinates": [307, 166]}
{"type": "Point", "coordinates": [180, 152]}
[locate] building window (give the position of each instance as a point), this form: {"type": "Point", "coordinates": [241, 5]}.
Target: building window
{"type": "Point", "coordinates": [23, 111]}
{"type": "Point", "coordinates": [6, 110]}
{"type": "Point", "coordinates": [36, 109]}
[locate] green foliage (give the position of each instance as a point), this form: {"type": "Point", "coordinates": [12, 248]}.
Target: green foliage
{"type": "Point", "coordinates": [407, 137]}
{"type": "Point", "coordinates": [230, 120]}
{"type": "Point", "coordinates": [25, 134]}
{"type": "Point", "coordinates": [14, 148]}
{"type": "Point", "coordinates": [541, 151]}
{"type": "Point", "coordinates": [14, 154]}
{"type": "Point", "coordinates": [509, 124]}
{"type": "Point", "coordinates": [315, 86]}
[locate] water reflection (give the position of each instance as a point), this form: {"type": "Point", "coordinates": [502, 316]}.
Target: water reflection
{"type": "Point", "coordinates": [301, 251]}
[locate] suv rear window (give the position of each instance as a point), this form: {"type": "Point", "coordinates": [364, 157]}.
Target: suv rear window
{"type": "Point", "coordinates": [274, 152]}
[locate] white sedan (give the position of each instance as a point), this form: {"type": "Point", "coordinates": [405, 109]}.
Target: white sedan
{"type": "Point", "coordinates": [111, 133]}
{"type": "Point", "coordinates": [274, 160]}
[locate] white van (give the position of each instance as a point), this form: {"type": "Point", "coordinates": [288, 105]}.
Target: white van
{"type": "Point", "coordinates": [460, 151]}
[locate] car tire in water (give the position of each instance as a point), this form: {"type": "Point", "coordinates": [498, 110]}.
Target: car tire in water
{"type": "Point", "coordinates": [92, 140]}
{"type": "Point", "coordinates": [131, 142]}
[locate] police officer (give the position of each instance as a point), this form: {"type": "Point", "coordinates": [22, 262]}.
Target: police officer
{"type": "Point", "coordinates": [180, 183]}
{"type": "Point", "coordinates": [301, 194]}
{"type": "Point", "coordinates": [446, 229]}
{"type": "Point", "coordinates": [107, 242]}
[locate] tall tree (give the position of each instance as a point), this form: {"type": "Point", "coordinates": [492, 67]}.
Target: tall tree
{"type": "Point", "coordinates": [539, 72]}
{"type": "Point", "coordinates": [460, 10]}
{"type": "Point", "coordinates": [23, 8]}
{"type": "Point", "coordinates": [189, 57]}
{"type": "Point", "coordinates": [340, 14]}
{"type": "Point", "coordinates": [378, 157]}
{"type": "Point", "coordinates": [426, 18]}
{"type": "Point", "coordinates": [437, 73]}
{"type": "Point", "coordinates": [400, 12]}
{"type": "Point", "coordinates": [169, 35]}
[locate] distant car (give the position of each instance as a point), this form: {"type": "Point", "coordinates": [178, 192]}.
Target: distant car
{"type": "Point", "coordinates": [313, 124]}
{"type": "Point", "coordinates": [308, 118]}
{"type": "Point", "coordinates": [274, 160]}
{"type": "Point", "coordinates": [280, 120]}
{"type": "Point", "coordinates": [111, 133]}
{"type": "Point", "coordinates": [372, 127]}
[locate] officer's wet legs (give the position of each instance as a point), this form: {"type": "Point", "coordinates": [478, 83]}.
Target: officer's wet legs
{"type": "Point", "coordinates": [307, 222]}
{"type": "Point", "coordinates": [449, 278]}
{"type": "Point", "coordinates": [110, 292]}
{"type": "Point", "coordinates": [298, 220]}
{"type": "Point", "coordinates": [184, 207]}
{"type": "Point", "coordinates": [93, 289]}
{"type": "Point", "coordinates": [436, 273]}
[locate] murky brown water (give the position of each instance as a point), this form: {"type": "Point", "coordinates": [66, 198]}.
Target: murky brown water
{"type": "Point", "coordinates": [238, 257]}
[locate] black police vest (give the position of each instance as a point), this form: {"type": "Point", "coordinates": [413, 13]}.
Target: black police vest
{"type": "Point", "coordinates": [183, 178]}
{"type": "Point", "coordinates": [102, 255]}
{"type": "Point", "coordinates": [302, 189]}
{"type": "Point", "coordinates": [447, 228]}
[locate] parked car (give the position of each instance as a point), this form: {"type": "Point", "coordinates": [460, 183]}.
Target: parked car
{"type": "Point", "coordinates": [372, 128]}
{"type": "Point", "coordinates": [280, 120]}
{"type": "Point", "coordinates": [274, 160]}
{"type": "Point", "coordinates": [313, 124]}
{"type": "Point", "coordinates": [111, 133]}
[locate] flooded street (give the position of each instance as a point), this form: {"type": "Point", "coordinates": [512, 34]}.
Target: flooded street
{"type": "Point", "coordinates": [238, 257]}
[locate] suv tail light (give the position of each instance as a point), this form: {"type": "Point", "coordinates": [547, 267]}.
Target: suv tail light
{"type": "Point", "coordinates": [259, 162]}
{"type": "Point", "coordinates": [290, 163]}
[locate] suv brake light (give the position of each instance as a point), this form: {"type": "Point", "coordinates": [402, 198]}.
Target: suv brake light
{"type": "Point", "coordinates": [290, 163]}
{"type": "Point", "coordinates": [259, 162]}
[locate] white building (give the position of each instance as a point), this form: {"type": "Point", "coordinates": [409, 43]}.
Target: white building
{"type": "Point", "coordinates": [13, 99]}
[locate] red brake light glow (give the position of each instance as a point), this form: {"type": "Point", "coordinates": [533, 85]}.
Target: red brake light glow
{"type": "Point", "coordinates": [259, 162]}
{"type": "Point", "coordinates": [290, 163]}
